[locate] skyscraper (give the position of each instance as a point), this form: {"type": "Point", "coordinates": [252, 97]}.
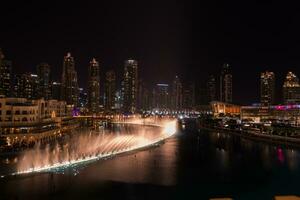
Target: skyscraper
{"type": "Point", "coordinates": [267, 88]}
{"type": "Point", "coordinates": [176, 94]}
{"type": "Point", "coordinates": [5, 76]}
{"type": "Point", "coordinates": [69, 84]}
{"type": "Point", "coordinates": [130, 86]}
{"type": "Point", "coordinates": [144, 102]}
{"type": "Point", "coordinates": [17, 85]}
{"type": "Point", "coordinates": [119, 100]}
{"type": "Point", "coordinates": [83, 98]}
{"type": "Point", "coordinates": [43, 72]}
{"type": "Point", "coordinates": [56, 90]}
{"type": "Point", "coordinates": [202, 94]}
{"type": "Point", "coordinates": [146, 99]}
{"type": "Point", "coordinates": [162, 96]}
{"type": "Point", "coordinates": [189, 96]}
{"type": "Point", "coordinates": [140, 94]}
{"type": "Point", "coordinates": [211, 88]}
{"type": "Point", "coordinates": [153, 98]}
{"type": "Point", "coordinates": [27, 86]}
{"type": "Point", "coordinates": [291, 89]}
{"type": "Point", "coordinates": [226, 84]}
{"type": "Point", "coordinates": [93, 86]}
{"type": "Point", "coordinates": [110, 90]}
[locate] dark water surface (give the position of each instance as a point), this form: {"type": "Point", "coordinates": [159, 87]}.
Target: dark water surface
{"type": "Point", "coordinates": [191, 165]}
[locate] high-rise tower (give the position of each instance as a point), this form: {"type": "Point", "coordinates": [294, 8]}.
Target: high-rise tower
{"type": "Point", "coordinates": [130, 86]}
{"type": "Point", "coordinates": [211, 88]}
{"type": "Point", "coordinates": [291, 89]}
{"type": "Point", "coordinates": [27, 86]}
{"type": "Point", "coordinates": [110, 90]}
{"type": "Point", "coordinates": [43, 72]}
{"type": "Point", "coordinates": [69, 81]}
{"type": "Point", "coordinates": [5, 76]}
{"type": "Point", "coordinates": [176, 94]}
{"type": "Point", "coordinates": [267, 88]}
{"type": "Point", "coordinates": [93, 86]}
{"type": "Point", "coordinates": [226, 84]}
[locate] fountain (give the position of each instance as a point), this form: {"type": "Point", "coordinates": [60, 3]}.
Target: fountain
{"type": "Point", "coordinates": [90, 146]}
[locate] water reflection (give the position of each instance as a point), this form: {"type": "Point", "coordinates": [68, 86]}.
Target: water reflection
{"type": "Point", "coordinates": [223, 157]}
{"type": "Point", "coordinates": [154, 166]}
{"type": "Point", "coordinates": [292, 159]}
{"type": "Point", "coordinates": [266, 157]}
{"type": "Point", "coordinates": [231, 149]}
{"type": "Point", "coordinates": [204, 163]}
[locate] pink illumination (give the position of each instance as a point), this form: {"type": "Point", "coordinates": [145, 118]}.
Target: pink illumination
{"type": "Point", "coordinates": [280, 155]}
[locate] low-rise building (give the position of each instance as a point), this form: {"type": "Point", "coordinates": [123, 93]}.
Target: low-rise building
{"type": "Point", "coordinates": [279, 113]}
{"type": "Point", "coordinates": [20, 115]}
{"type": "Point", "coordinates": [225, 109]}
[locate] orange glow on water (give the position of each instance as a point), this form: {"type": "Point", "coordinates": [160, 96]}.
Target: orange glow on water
{"type": "Point", "coordinates": [88, 147]}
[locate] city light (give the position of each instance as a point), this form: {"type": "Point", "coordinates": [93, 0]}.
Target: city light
{"type": "Point", "coordinates": [149, 100]}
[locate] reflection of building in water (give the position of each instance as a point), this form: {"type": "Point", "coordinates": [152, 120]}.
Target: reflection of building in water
{"type": "Point", "coordinates": [266, 156]}
{"type": "Point", "coordinates": [292, 159]}
{"type": "Point", "coordinates": [168, 174]}
{"type": "Point", "coordinates": [223, 158]}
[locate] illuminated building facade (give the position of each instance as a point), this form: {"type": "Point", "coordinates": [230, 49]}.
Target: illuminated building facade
{"type": "Point", "coordinates": [288, 114]}
{"type": "Point", "coordinates": [110, 90]}
{"type": "Point", "coordinates": [5, 76]}
{"type": "Point", "coordinates": [267, 88]}
{"type": "Point", "coordinates": [153, 98]}
{"type": "Point", "coordinates": [93, 86]}
{"type": "Point", "coordinates": [141, 89]}
{"type": "Point", "coordinates": [189, 97]}
{"type": "Point", "coordinates": [43, 72]}
{"type": "Point", "coordinates": [211, 88]}
{"type": "Point", "coordinates": [83, 98]}
{"type": "Point", "coordinates": [56, 90]}
{"type": "Point", "coordinates": [162, 96]}
{"type": "Point", "coordinates": [145, 99]}
{"type": "Point", "coordinates": [69, 84]}
{"type": "Point", "coordinates": [130, 86]}
{"type": "Point", "coordinates": [202, 94]}
{"type": "Point", "coordinates": [20, 115]}
{"type": "Point", "coordinates": [27, 86]}
{"type": "Point", "coordinates": [17, 86]}
{"type": "Point", "coordinates": [176, 94]}
{"type": "Point", "coordinates": [291, 89]}
{"type": "Point", "coordinates": [119, 100]}
{"type": "Point", "coordinates": [226, 84]}
{"type": "Point", "coordinates": [31, 86]}
{"type": "Point", "coordinates": [225, 109]}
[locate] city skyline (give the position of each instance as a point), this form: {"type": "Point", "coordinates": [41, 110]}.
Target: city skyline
{"type": "Point", "coordinates": [196, 49]}
{"type": "Point", "coordinates": [149, 99]}
{"type": "Point", "coordinates": [211, 89]}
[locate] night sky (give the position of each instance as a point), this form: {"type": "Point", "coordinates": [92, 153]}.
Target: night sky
{"type": "Point", "coordinates": [167, 37]}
